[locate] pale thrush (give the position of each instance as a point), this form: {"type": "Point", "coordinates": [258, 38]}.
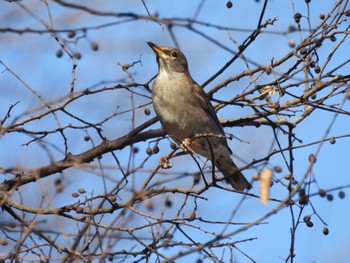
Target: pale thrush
{"type": "Point", "coordinates": [187, 115]}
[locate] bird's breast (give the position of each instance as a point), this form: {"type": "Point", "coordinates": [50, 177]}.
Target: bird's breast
{"type": "Point", "coordinates": [174, 105]}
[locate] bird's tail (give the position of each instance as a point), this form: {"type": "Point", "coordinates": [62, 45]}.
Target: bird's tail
{"type": "Point", "coordinates": [238, 181]}
{"type": "Point", "coordinates": [233, 175]}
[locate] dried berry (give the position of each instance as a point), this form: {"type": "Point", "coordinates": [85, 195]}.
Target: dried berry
{"type": "Point", "coordinates": [307, 218]}
{"type": "Point", "coordinates": [325, 231]}
{"type": "Point", "coordinates": [291, 43]}
{"type": "Point", "coordinates": [347, 95]}
{"type": "Point", "coordinates": [192, 216]}
{"type": "Point", "coordinates": [312, 158]}
{"type": "Point", "coordinates": [149, 205]}
{"type": "Point", "coordinates": [292, 28]}
{"type": "Point", "coordinates": [168, 202]}
{"type": "Point", "coordinates": [341, 195]}
{"type": "Point", "coordinates": [288, 176]}
{"type": "Point", "coordinates": [155, 149]}
{"type": "Point", "coordinates": [330, 197]}
{"type": "Point", "coordinates": [125, 66]}
{"type": "Point", "coordinates": [322, 193]}
{"type": "Point", "coordinates": [318, 42]}
{"type": "Point", "coordinates": [94, 46]}
{"type": "Point", "coordinates": [149, 151]}
{"type": "Point", "coordinates": [147, 111]}
{"type": "Point", "coordinates": [297, 17]}
{"type": "Point", "coordinates": [303, 51]}
{"type": "Point", "coordinates": [277, 169]}
{"type": "Point", "coordinates": [135, 150]}
{"type": "Point", "coordinates": [303, 198]}
{"type": "Point", "coordinates": [58, 182]}
{"type": "Point", "coordinates": [71, 34]}
{"type": "Point", "coordinates": [59, 53]}
{"type": "Point", "coordinates": [113, 198]}
{"type": "Point", "coordinates": [4, 242]}
{"type": "Point", "coordinates": [77, 55]}
{"type": "Point", "coordinates": [229, 4]}
{"type": "Point", "coordinates": [59, 186]}
{"type": "Point", "coordinates": [256, 177]}
{"type": "Point", "coordinates": [309, 224]}
{"type": "Point", "coordinates": [277, 106]}
{"type": "Point", "coordinates": [317, 69]}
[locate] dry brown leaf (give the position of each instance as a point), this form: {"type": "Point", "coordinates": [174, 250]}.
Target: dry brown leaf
{"type": "Point", "coordinates": [164, 162]}
{"type": "Point", "coordinates": [265, 183]}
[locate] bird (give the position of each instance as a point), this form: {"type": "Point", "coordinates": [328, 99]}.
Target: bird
{"type": "Point", "coordinates": [188, 117]}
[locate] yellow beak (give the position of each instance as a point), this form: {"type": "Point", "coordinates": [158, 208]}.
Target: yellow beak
{"type": "Point", "coordinates": [156, 49]}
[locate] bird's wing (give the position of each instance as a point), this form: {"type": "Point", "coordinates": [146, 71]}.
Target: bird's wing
{"type": "Point", "coordinates": [206, 105]}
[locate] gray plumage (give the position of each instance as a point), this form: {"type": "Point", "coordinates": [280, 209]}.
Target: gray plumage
{"type": "Point", "coordinates": [186, 113]}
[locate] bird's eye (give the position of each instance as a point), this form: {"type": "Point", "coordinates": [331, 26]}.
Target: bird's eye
{"type": "Point", "coordinates": [174, 54]}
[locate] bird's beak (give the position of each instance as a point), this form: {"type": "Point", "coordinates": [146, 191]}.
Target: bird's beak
{"type": "Point", "coordinates": [156, 49]}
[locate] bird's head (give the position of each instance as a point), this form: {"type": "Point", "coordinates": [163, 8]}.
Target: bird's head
{"type": "Point", "coordinates": [170, 60]}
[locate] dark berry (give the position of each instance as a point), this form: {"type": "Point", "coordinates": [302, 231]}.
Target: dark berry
{"type": "Point", "coordinates": [325, 231]}
{"type": "Point", "coordinates": [59, 53]}
{"type": "Point", "coordinates": [330, 197]}
{"type": "Point", "coordinates": [94, 46]}
{"type": "Point", "coordinates": [341, 195]}
{"type": "Point", "coordinates": [229, 4]}
{"type": "Point", "coordinates": [309, 224]}
{"type": "Point", "coordinates": [149, 151]}
{"type": "Point", "coordinates": [147, 111]}
{"type": "Point", "coordinates": [312, 158]}
{"type": "Point", "coordinates": [77, 55]}
{"type": "Point", "coordinates": [155, 149]}
{"type": "Point", "coordinates": [71, 34]}
{"type": "Point", "coordinates": [307, 218]}
{"type": "Point", "coordinates": [303, 51]}
{"type": "Point", "coordinates": [277, 169]}
{"type": "Point", "coordinates": [322, 193]}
